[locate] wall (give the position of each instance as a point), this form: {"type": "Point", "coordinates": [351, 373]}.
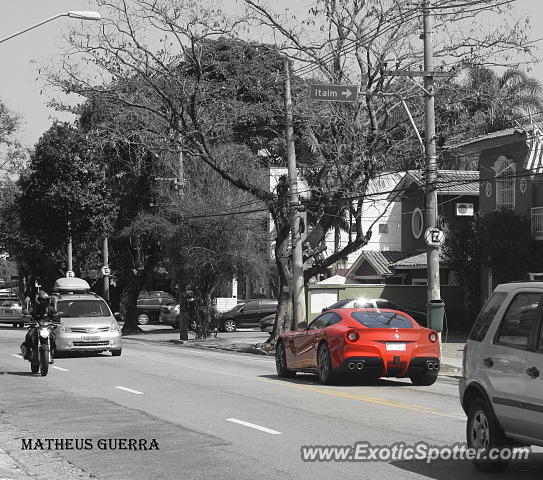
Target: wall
{"type": "Point", "coordinates": [412, 297]}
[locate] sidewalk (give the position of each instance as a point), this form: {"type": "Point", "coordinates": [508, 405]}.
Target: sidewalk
{"type": "Point", "coordinates": [250, 341]}
{"type": "Point", "coordinates": [10, 470]}
{"type": "Point", "coordinates": [18, 464]}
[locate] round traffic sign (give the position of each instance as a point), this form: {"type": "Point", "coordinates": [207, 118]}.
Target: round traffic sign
{"type": "Point", "coordinates": [434, 237]}
{"type": "Point", "coordinates": [106, 272]}
{"type": "Point", "coordinates": [70, 274]}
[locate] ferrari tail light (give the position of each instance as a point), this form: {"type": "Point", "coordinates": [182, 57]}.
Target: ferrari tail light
{"type": "Point", "coordinates": [352, 336]}
{"type": "Point", "coordinates": [433, 337]}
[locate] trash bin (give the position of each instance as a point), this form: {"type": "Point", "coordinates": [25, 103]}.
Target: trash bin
{"type": "Point", "coordinates": [436, 312]}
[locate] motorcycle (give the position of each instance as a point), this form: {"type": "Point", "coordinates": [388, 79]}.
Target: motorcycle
{"type": "Point", "coordinates": [40, 351]}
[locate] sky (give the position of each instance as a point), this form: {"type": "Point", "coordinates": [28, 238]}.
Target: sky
{"type": "Point", "coordinates": [21, 56]}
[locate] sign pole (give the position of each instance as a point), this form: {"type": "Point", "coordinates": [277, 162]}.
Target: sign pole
{"type": "Point", "coordinates": [106, 270]}
{"type": "Point", "coordinates": [432, 251]}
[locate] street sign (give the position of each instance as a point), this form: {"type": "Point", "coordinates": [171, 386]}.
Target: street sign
{"type": "Point", "coordinates": [334, 93]}
{"type": "Point", "coordinates": [70, 274]}
{"type": "Point", "coordinates": [106, 272]}
{"type": "Point", "coordinates": [434, 237]}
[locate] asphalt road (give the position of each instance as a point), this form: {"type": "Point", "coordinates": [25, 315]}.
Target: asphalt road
{"type": "Point", "coordinates": [223, 415]}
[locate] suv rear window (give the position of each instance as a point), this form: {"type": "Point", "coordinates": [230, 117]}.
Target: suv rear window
{"type": "Point", "coordinates": [377, 319]}
{"type": "Point", "coordinates": [480, 327]}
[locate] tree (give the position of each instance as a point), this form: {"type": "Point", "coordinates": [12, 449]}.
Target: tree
{"type": "Point", "coordinates": [485, 102]}
{"type": "Point", "coordinates": [510, 252]}
{"type": "Point", "coordinates": [205, 94]}
{"type": "Point", "coordinates": [63, 190]}
{"type": "Point", "coordinates": [213, 241]}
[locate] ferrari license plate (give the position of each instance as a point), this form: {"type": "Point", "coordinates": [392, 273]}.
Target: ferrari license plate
{"type": "Point", "coordinates": [395, 346]}
{"type": "Point", "coordinates": [90, 339]}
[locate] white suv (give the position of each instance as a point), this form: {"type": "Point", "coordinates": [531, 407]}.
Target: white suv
{"type": "Point", "coordinates": [501, 389]}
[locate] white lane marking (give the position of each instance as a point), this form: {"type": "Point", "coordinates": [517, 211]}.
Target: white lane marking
{"type": "Point", "coordinates": [60, 368]}
{"type": "Point", "coordinates": [256, 427]}
{"type": "Point", "coordinates": [16, 355]}
{"type": "Point", "coordinates": [128, 390]}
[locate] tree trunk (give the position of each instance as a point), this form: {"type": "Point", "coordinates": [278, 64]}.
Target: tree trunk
{"type": "Point", "coordinates": [284, 306]}
{"type": "Point", "coordinates": [134, 285]}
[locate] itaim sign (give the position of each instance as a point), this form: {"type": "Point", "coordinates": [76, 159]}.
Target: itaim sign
{"type": "Point", "coordinates": [334, 93]}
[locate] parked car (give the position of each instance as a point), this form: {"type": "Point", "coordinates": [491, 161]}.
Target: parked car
{"type": "Point", "coordinates": [419, 317]}
{"type": "Point", "coordinates": [368, 342]}
{"type": "Point", "coordinates": [11, 311]}
{"type": "Point", "coordinates": [247, 315]}
{"type": "Point", "coordinates": [267, 323]}
{"type": "Point", "coordinates": [170, 315]}
{"type": "Point", "coordinates": [150, 305]}
{"type": "Point", "coordinates": [85, 322]}
{"type": "Point", "coordinates": [501, 389]}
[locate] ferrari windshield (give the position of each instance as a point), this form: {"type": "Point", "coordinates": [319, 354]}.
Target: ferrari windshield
{"type": "Point", "coordinates": [82, 308]}
{"type": "Point", "coordinates": [380, 319]}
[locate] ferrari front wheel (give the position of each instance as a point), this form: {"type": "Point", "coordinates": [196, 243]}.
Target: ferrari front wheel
{"type": "Point", "coordinates": [324, 365]}
{"type": "Point", "coordinates": [281, 362]}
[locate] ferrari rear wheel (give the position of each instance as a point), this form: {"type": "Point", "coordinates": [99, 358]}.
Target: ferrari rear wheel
{"type": "Point", "coordinates": [424, 379]}
{"type": "Point", "coordinates": [324, 365]}
{"type": "Point", "coordinates": [281, 362]}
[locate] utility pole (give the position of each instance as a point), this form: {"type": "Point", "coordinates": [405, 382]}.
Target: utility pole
{"type": "Point", "coordinates": [69, 253]}
{"type": "Point", "coordinates": [433, 236]}
{"type": "Point", "coordinates": [432, 258]}
{"type": "Point", "coordinates": [298, 291]}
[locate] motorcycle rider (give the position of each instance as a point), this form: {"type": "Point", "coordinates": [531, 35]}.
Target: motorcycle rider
{"type": "Point", "coordinates": [38, 312]}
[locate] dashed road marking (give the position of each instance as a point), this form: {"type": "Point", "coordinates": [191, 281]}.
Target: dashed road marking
{"type": "Point", "coordinates": [129, 390]}
{"type": "Point", "coordinates": [60, 368]}
{"type": "Point", "coordinates": [252, 425]}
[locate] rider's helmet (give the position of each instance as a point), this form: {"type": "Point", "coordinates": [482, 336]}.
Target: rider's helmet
{"type": "Point", "coordinates": [42, 303]}
{"type": "Point", "coordinates": [42, 298]}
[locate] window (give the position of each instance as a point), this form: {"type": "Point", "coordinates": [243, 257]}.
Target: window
{"type": "Point", "coordinates": [378, 319]}
{"type": "Point", "coordinates": [251, 306]}
{"type": "Point", "coordinates": [505, 183]}
{"type": "Point", "coordinates": [383, 228]}
{"type": "Point", "coordinates": [321, 321]}
{"type": "Point", "coordinates": [417, 222]}
{"type": "Point", "coordinates": [518, 320]}
{"type": "Point", "coordinates": [486, 316]}
{"type": "Point", "coordinates": [82, 308]}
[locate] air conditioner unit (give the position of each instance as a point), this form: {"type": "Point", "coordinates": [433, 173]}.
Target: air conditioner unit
{"type": "Point", "coordinates": [464, 209]}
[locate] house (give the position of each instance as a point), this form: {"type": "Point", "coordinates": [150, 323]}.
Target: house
{"type": "Point", "coordinates": [511, 173]}
{"type": "Point", "coordinates": [457, 198]}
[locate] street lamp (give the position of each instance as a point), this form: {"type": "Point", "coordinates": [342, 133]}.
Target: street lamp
{"type": "Point", "coordinates": [79, 15]}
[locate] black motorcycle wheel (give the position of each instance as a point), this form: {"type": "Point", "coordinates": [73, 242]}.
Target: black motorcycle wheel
{"type": "Point", "coordinates": [44, 362]}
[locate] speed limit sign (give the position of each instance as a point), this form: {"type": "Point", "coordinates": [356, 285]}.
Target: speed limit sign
{"type": "Point", "coordinates": [434, 237]}
{"type": "Point", "coordinates": [106, 272]}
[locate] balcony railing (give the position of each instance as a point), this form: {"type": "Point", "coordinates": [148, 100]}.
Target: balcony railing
{"type": "Point", "coordinates": [537, 222]}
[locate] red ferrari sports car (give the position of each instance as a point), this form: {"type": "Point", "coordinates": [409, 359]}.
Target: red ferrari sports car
{"type": "Point", "coordinates": [363, 341]}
